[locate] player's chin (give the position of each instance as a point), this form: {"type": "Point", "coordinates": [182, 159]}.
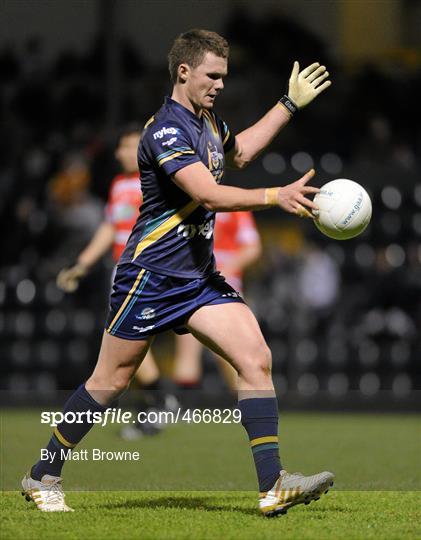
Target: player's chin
{"type": "Point", "coordinates": [208, 102]}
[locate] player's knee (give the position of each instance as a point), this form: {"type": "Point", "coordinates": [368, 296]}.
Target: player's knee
{"type": "Point", "coordinates": [265, 360]}
{"type": "Point", "coordinates": [114, 384]}
{"type": "Point", "coordinates": [257, 362]}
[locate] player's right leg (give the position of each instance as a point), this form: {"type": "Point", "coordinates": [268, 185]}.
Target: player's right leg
{"type": "Point", "coordinates": [117, 363]}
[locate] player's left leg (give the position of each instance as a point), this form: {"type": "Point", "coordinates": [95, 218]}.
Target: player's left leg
{"type": "Point", "coordinates": [232, 331]}
{"type": "Point", "coordinates": [188, 364]}
{"type": "Point", "coordinates": [228, 372]}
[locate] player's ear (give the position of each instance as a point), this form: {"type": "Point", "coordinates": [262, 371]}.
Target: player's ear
{"type": "Point", "coordinates": [183, 73]}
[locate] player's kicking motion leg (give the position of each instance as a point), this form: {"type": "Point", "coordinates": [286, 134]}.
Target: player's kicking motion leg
{"type": "Point", "coordinates": [232, 331]}
{"type": "Point", "coordinates": [166, 276]}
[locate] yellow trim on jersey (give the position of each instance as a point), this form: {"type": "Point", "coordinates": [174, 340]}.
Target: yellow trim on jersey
{"type": "Point", "coordinates": [212, 122]}
{"type": "Point", "coordinates": [262, 440]}
{"type": "Point", "coordinates": [172, 156]}
{"type": "Point", "coordinates": [124, 304]}
{"type": "Point", "coordinates": [62, 439]}
{"type": "Point", "coordinates": [165, 227]}
{"type": "Point", "coordinates": [151, 119]}
{"type": "Point", "coordinates": [226, 137]}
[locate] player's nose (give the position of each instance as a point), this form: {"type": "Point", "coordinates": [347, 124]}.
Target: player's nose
{"type": "Point", "coordinates": [219, 85]}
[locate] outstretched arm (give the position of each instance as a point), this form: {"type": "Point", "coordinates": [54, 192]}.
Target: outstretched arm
{"type": "Point", "coordinates": [68, 278]}
{"type": "Point", "coordinates": [198, 182]}
{"type": "Point", "coordinates": [99, 245]}
{"type": "Point", "coordinates": [303, 87]}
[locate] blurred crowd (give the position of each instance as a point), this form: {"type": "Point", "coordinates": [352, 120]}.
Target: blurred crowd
{"type": "Point", "coordinates": [338, 316]}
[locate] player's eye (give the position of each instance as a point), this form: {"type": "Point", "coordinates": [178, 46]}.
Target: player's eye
{"type": "Point", "coordinates": [214, 76]}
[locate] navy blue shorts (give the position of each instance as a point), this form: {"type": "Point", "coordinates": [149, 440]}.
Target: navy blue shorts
{"type": "Point", "coordinates": [144, 303]}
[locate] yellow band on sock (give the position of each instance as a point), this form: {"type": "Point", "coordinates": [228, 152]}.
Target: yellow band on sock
{"type": "Point", "coordinates": [63, 441]}
{"type": "Point", "coordinates": [264, 440]}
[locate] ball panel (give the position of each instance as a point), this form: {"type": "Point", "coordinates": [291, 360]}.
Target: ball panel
{"type": "Point", "coordinates": [326, 226]}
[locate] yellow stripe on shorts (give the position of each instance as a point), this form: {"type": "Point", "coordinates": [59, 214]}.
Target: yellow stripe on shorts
{"type": "Point", "coordinates": [127, 299]}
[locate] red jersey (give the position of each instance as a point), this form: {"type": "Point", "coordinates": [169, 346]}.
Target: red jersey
{"type": "Point", "coordinates": [233, 230]}
{"type": "Point", "coordinates": [122, 210]}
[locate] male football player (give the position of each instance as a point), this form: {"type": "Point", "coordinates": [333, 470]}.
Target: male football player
{"type": "Point", "coordinates": [167, 271]}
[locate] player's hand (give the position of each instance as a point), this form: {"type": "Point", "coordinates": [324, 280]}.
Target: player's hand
{"type": "Point", "coordinates": [292, 199]}
{"type": "Point", "coordinates": [307, 84]}
{"type": "Point", "coordinates": [68, 279]}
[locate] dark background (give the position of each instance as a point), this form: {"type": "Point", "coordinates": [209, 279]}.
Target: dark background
{"type": "Point", "coordinates": [343, 319]}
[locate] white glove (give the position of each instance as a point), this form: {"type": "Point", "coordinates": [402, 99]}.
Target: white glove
{"type": "Point", "coordinates": [304, 86]}
{"type": "Point", "coordinates": [68, 279]}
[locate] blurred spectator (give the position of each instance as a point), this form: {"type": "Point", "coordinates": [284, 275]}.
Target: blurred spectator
{"type": "Point", "coordinates": [74, 214]}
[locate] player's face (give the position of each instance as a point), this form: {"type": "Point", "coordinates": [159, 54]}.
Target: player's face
{"type": "Point", "coordinates": [126, 152]}
{"type": "Point", "coordinates": [205, 81]}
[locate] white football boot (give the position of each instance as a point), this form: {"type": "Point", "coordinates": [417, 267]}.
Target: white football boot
{"type": "Point", "coordinates": [292, 489]}
{"type": "Point", "coordinates": [47, 494]}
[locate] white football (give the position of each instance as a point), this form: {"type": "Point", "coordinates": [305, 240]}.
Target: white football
{"type": "Point", "coordinates": [344, 209]}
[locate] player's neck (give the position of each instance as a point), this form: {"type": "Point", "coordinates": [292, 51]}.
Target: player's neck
{"type": "Point", "coordinates": [180, 97]}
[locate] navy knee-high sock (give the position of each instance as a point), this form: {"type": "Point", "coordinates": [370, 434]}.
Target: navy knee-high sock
{"type": "Point", "coordinates": [67, 435]}
{"type": "Point", "coordinates": [259, 416]}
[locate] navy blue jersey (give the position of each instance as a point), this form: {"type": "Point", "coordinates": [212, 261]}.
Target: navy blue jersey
{"type": "Point", "coordinates": [173, 235]}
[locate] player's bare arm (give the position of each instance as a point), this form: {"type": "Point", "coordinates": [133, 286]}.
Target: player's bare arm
{"type": "Point", "coordinates": [68, 278]}
{"type": "Point", "coordinates": [98, 246]}
{"type": "Point", "coordinates": [198, 182]}
{"type": "Point", "coordinates": [304, 86]}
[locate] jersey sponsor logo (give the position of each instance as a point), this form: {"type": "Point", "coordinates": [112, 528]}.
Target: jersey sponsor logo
{"type": "Point", "coordinates": [164, 131]}
{"type": "Point", "coordinates": [143, 328]}
{"type": "Point", "coordinates": [147, 313]}
{"type": "Point", "coordinates": [190, 230]}
{"type": "Point", "coordinates": [169, 142]}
